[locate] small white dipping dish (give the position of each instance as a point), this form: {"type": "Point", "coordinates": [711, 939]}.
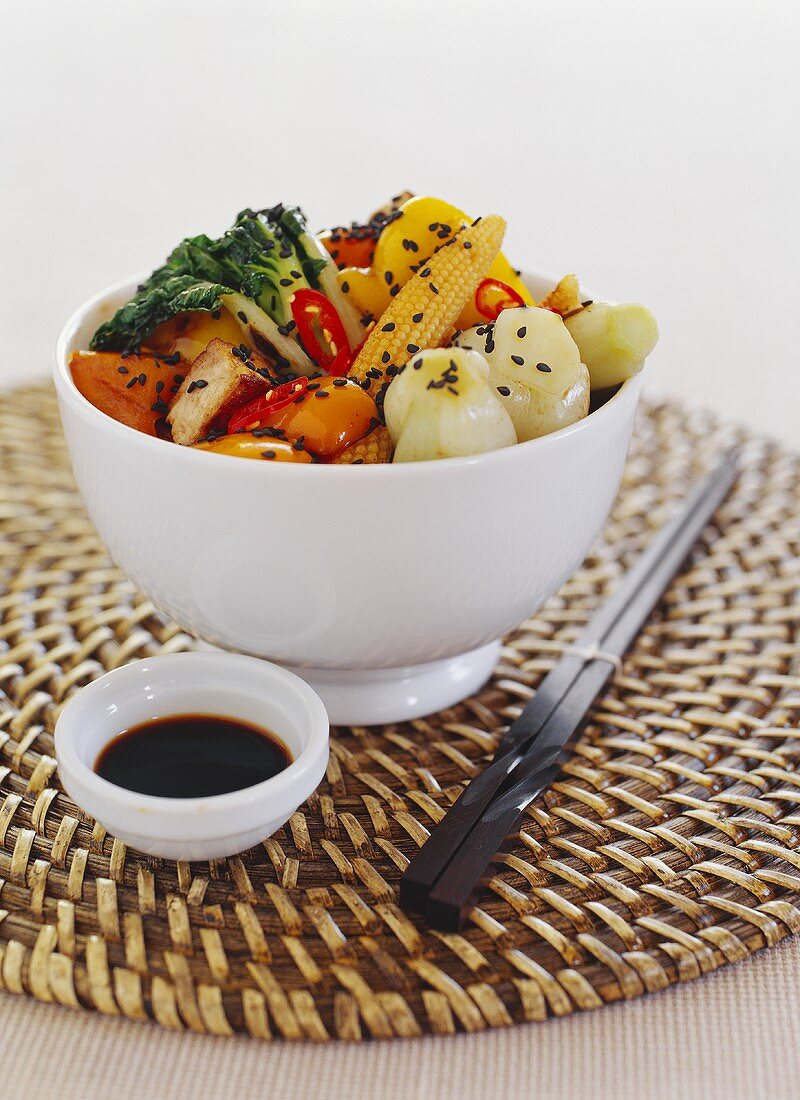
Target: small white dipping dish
{"type": "Point", "coordinates": [244, 688]}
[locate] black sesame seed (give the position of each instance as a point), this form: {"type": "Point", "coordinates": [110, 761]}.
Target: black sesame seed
{"type": "Point", "coordinates": [467, 244]}
{"type": "Point", "coordinates": [322, 393]}
{"type": "Point", "coordinates": [132, 382]}
{"type": "Point", "coordinates": [521, 331]}
{"type": "Point", "coordinates": [242, 317]}
{"type": "Point", "coordinates": [504, 390]}
{"type": "Point", "coordinates": [543, 367]}
{"type": "Point", "coordinates": [122, 370]}
{"type": "Point", "coordinates": [388, 327]}
{"type": "Point", "coordinates": [518, 360]}
{"type": "Point", "coordinates": [159, 386]}
{"type": "Point", "coordinates": [385, 357]}
{"type": "Point", "coordinates": [433, 227]}
{"type": "Point", "coordinates": [179, 378]}
{"type": "Point", "coordinates": [191, 387]}
{"type": "Point", "coordinates": [412, 348]}
{"type": "Point", "coordinates": [216, 314]}
{"type": "Point", "coordinates": [339, 382]}
{"type": "Point", "coordinates": [267, 454]}
{"type": "Point", "coordinates": [425, 273]}
{"type": "Point", "coordinates": [588, 302]}
{"type": "Point", "coordinates": [201, 384]}
{"type": "Point", "coordinates": [434, 287]}
{"type": "Point", "coordinates": [388, 277]}
{"type": "Point", "coordinates": [345, 287]}
{"type": "Point", "coordinates": [313, 386]}
{"type": "Point", "coordinates": [417, 364]}
{"type": "Point", "coordinates": [417, 318]}
{"type": "Point", "coordinates": [395, 290]}
{"type": "Point", "coordinates": [142, 378]}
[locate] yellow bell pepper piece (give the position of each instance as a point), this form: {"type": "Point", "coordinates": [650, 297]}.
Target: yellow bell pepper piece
{"type": "Point", "coordinates": [426, 223]}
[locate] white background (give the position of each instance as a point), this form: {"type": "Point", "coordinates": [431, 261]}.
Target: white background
{"type": "Point", "coordinates": [651, 148]}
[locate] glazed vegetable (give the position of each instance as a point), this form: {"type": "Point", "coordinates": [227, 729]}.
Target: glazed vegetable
{"type": "Point", "coordinates": [133, 389]}
{"type": "Point", "coordinates": [375, 447]}
{"type": "Point", "coordinates": [422, 225]}
{"type": "Point", "coordinates": [535, 369]}
{"type": "Point", "coordinates": [354, 246]}
{"type": "Point", "coordinates": [256, 445]}
{"type": "Point", "coordinates": [254, 413]}
{"type": "Point", "coordinates": [188, 334]}
{"type": "Point", "coordinates": [424, 313]}
{"type": "Point", "coordinates": [253, 270]}
{"type": "Point", "coordinates": [331, 414]}
{"type": "Point", "coordinates": [442, 406]}
{"type": "Point", "coordinates": [613, 340]}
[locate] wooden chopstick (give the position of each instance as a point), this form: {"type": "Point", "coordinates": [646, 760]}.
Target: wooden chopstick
{"type": "Point", "coordinates": [535, 734]}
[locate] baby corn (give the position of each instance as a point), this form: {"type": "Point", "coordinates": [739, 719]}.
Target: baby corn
{"type": "Point", "coordinates": [375, 447]}
{"type": "Point", "coordinates": [424, 312]}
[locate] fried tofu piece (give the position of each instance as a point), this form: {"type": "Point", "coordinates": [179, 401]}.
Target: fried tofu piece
{"type": "Point", "coordinates": [222, 379]}
{"type": "Point", "coordinates": [133, 389]}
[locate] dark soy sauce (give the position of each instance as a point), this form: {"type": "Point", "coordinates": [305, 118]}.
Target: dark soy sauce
{"type": "Point", "coordinates": [192, 756]}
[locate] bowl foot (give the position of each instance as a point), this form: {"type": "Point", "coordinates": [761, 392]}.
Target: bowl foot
{"type": "Point", "coordinates": [371, 697]}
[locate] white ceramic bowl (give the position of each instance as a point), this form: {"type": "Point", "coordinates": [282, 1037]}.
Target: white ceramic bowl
{"type": "Point", "coordinates": [200, 683]}
{"type": "Point", "coordinates": [386, 587]}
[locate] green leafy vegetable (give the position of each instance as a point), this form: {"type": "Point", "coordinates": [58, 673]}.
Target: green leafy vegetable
{"type": "Point", "coordinates": [148, 309]}
{"type": "Point", "coordinates": [265, 257]}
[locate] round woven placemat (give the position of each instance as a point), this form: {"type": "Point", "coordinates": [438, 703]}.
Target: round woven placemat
{"type": "Point", "coordinates": [668, 848]}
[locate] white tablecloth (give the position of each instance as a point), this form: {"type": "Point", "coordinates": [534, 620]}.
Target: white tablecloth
{"type": "Point", "coordinates": [652, 149]}
{"type": "Point", "coordinates": [734, 1034]}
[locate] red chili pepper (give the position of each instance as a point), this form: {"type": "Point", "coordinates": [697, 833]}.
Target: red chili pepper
{"type": "Point", "coordinates": [341, 363]}
{"type": "Point", "coordinates": [320, 328]}
{"type": "Point", "coordinates": [251, 415]}
{"type": "Point", "coordinates": [492, 297]}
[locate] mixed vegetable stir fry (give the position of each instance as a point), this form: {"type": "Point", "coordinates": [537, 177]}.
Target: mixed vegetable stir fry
{"type": "Point", "coordinates": [406, 338]}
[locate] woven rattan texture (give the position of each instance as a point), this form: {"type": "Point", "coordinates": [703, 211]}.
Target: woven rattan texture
{"type": "Point", "coordinates": [668, 848]}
